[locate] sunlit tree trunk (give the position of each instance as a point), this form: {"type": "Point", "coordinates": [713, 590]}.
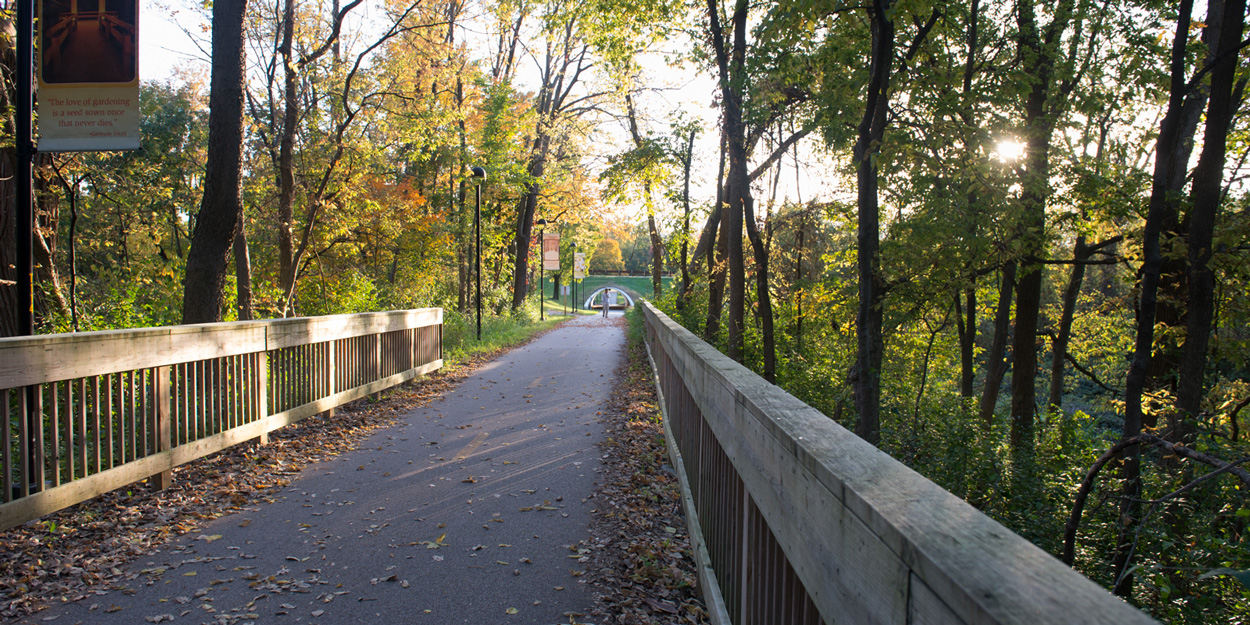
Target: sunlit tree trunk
{"type": "Point", "coordinates": [243, 272]}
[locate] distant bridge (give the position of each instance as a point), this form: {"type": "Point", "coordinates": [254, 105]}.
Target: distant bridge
{"type": "Point", "coordinates": [602, 290]}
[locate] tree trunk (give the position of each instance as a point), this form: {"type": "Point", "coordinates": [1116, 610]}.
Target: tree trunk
{"type": "Point", "coordinates": [686, 158]}
{"type": "Point", "coordinates": [966, 316]}
{"type": "Point", "coordinates": [716, 254]}
{"type": "Point", "coordinates": [1172, 289]}
{"type": "Point", "coordinates": [49, 295]}
{"type": "Point", "coordinates": [1205, 197]}
{"type": "Point", "coordinates": [1024, 361]}
{"type": "Point", "coordinates": [524, 233]}
{"type": "Point", "coordinates": [1059, 346]}
{"type": "Point", "coordinates": [243, 273]}
{"type": "Point", "coordinates": [221, 205]}
{"type": "Point", "coordinates": [765, 297]}
{"type": "Point", "coordinates": [1162, 208]}
{"type": "Point", "coordinates": [286, 160]}
{"type": "Point", "coordinates": [730, 63]}
{"type": "Point", "coordinates": [716, 286]}
{"type": "Point", "coordinates": [1040, 54]}
{"type": "Point", "coordinates": [868, 327]}
{"type": "Point", "coordinates": [996, 365]}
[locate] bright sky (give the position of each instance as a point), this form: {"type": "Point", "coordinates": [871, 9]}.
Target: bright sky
{"type": "Point", "coordinates": [163, 45]}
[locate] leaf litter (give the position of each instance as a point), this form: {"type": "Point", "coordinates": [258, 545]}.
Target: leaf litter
{"type": "Point", "coordinates": [638, 563]}
{"type": "Point", "coordinates": [81, 551]}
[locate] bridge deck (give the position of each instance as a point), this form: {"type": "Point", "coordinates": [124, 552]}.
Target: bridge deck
{"type": "Point", "coordinates": [463, 511]}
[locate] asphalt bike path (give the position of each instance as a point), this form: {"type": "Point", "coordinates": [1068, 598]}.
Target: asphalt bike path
{"type": "Point", "coordinates": [468, 510]}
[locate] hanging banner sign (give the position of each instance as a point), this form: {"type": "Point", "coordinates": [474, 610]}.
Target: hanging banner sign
{"type": "Point", "coordinates": [579, 265]}
{"type": "Point", "coordinates": [551, 251]}
{"type": "Point", "coordinates": [88, 75]}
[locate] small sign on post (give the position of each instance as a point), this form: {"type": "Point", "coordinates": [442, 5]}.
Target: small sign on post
{"type": "Point", "coordinates": [88, 75]}
{"type": "Point", "coordinates": [579, 265]}
{"type": "Point", "coordinates": [551, 251]}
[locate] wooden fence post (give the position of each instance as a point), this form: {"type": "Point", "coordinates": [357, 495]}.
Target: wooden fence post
{"type": "Point", "coordinates": [330, 375]}
{"type": "Point", "coordinates": [260, 377]}
{"type": "Point", "coordinates": [161, 430]}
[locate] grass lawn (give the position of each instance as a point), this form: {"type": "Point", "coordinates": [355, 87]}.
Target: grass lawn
{"type": "Point", "coordinates": [637, 286]}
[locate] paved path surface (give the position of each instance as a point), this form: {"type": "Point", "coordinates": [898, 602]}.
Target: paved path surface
{"type": "Point", "coordinates": [463, 512]}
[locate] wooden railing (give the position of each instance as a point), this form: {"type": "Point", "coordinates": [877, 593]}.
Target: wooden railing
{"type": "Point", "coordinates": [794, 519]}
{"type": "Point", "coordinates": [87, 413]}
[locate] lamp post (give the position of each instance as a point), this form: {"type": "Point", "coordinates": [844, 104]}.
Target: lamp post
{"type": "Point", "coordinates": [573, 280]}
{"type": "Point", "coordinates": [480, 175]}
{"type": "Point", "coordinates": [542, 258]}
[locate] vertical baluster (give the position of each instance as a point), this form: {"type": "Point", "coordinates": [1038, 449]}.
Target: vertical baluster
{"type": "Point", "coordinates": [188, 402]}
{"type": "Point", "coordinates": [229, 391]}
{"type": "Point", "coordinates": [240, 390]}
{"type": "Point", "coordinates": [177, 390]}
{"type": "Point", "coordinates": [278, 362]}
{"type": "Point", "coordinates": [117, 418]}
{"type": "Point", "coordinates": [288, 378]}
{"type": "Point", "coordinates": [6, 454]}
{"type": "Point", "coordinates": [82, 426]}
{"type": "Point", "coordinates": [215, 365]}
{"type": "Point", "coordinates": [40, 451]}
{"type": "Point", "coordinates": [296, 376]}
{"type": "Point", "coordinates": [219, 391]}
{"type": "Point", "coordinates": [95, 422]}
{"type": "Point", "coordinates": [108, 413]}
{"type": "Point", "coordinates": [148, 414]}
{"type": "Point", "coordinates": [236, 387]}
{"type": "Point", "coordinates": [270, 390]}
{"type": "Point", "coordinates": [249, 386]}
{"type": "Point", "coordinates": [68, 426]}
{"type": "Point", "coordinates": [283, 398]}
{"type": "Point", "coordinates": [132, 421]}
{"type": "Point", "coordinates": [197, 396]}
{"type": "Point", "coordinates": [69, 431]}
{"type": "Point", "coordinates": [54, 429]}
{"type": "Point", "coordinates": [23, 433]}
{"type": "Point", "coordinates": [223, 397]}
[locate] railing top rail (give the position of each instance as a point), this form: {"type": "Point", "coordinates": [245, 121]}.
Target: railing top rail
{"type": "Point", "coordinates": [52, 357]}
{"type": "Point", "coordinates": [979, 569]}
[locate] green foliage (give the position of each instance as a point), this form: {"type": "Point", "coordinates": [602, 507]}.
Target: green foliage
{"type": "Point", "coordinates": [498, 332]}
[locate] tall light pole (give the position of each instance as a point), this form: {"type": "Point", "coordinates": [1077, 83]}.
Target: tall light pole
{"type": "Point", "coordinates": [480, 175]}
{"type": "Point", "coordinates": [542, 258]}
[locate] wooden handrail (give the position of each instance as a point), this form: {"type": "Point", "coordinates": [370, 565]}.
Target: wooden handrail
{"type": "Point", "coordinates": [797, 520]}
{"type": "Point", "coordinates": [89, 412]}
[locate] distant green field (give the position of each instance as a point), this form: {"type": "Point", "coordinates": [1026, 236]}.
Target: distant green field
{"type": "Point", "coordinates": [637, 286]}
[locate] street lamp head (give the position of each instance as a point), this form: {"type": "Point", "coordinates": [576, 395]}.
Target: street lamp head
{"type": "Point", "coordinates": [540, 222]}
{"type": "Point", "coordinates": [478, 172]}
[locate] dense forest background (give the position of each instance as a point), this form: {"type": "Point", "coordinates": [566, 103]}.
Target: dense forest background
{"type": "Point", "coordinates": [1006, 241]}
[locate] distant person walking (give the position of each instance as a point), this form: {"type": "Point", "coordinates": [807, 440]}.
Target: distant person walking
{"type": "Point", "coordinates": [605, 303]}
